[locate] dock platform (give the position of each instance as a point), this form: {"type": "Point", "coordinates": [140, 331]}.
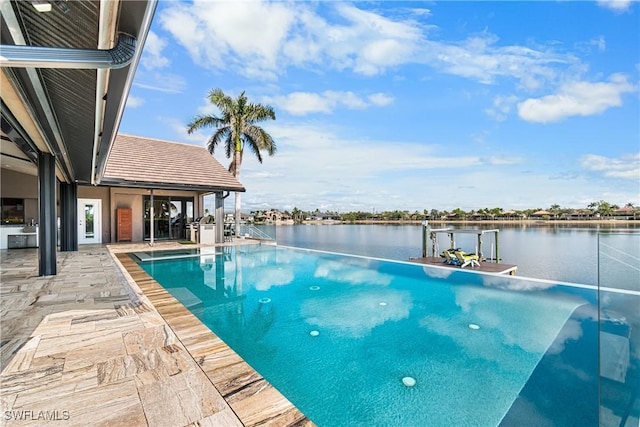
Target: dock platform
{"type": "Point", "coordinates": [486, 266]}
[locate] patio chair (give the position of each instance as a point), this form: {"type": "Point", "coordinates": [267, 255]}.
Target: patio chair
{"type": "Point", "coordinates": [450, 256]}
{"type": "Point", "coordinates": [465, 259]}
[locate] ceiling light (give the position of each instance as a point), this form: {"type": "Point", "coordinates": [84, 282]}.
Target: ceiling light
{"type": "Point", "coordinates": [41, 6]}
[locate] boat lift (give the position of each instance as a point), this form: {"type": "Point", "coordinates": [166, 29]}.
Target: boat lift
{"type": "Point", "coordinates": [429, 234]}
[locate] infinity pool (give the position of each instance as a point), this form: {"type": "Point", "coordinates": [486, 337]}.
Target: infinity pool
{"type": "Point", "coordinates": [359, 341]}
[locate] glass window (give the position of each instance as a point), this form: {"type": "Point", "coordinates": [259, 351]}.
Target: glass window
{"type": "Point", "coordinates": [12, 211]}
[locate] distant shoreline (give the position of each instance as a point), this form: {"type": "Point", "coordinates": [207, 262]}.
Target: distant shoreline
{"type": "Point", "coordinates": [476, 222]}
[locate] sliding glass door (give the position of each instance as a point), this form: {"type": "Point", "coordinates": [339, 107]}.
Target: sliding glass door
{"type": "Point", "coordinates": [171, 217]}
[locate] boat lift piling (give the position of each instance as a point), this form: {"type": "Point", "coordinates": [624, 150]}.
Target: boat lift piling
{"type": "Point", "coordinates": [431, 234]}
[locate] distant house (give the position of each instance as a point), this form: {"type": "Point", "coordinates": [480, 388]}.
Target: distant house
{"type": "Point", "coordinates": [626, 213]}
{"type": "Point", "coordinates": [541, 214]}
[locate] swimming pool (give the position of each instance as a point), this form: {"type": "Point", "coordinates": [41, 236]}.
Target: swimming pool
{"type": "Point", "coordinates": [362, 341]}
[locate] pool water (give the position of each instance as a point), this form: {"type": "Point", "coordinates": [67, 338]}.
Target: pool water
{"type": "Point", "coordinates": [359, 341]}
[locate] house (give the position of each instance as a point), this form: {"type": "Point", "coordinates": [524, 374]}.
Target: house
{"type": "Point", "coordinates": [67, 68]}
{"type": "Point", "coordinates": [175, 176]}
{"type": "Point", "coordinates": [140, 173]}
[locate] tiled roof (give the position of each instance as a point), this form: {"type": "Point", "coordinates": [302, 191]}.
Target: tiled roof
{"type": "Point", "coordinates": [152, 163]}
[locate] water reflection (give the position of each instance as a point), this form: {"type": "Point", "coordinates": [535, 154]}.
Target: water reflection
{"type": "Point", "coordinates": [529, 321]}
{"type": "Point", "coordinates": [353, 272]}
{"type": "Point", "coordinates": [356, 311]}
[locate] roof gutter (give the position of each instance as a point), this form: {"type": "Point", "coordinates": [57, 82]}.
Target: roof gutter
{"type": "Point", "coordinates": [61, 57]}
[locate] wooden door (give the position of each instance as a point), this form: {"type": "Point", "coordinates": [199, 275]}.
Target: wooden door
{"type": "Point", "coordinates": [124, 221]}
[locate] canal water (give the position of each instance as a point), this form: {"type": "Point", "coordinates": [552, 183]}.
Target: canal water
{"type": "Point", "coordinates": [609, 255]}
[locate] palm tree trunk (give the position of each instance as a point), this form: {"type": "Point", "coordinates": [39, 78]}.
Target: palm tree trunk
{"type": "Point", "coordinates": [236, 172]}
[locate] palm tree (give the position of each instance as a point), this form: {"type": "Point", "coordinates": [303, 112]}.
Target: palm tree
{"type": "Point", "coordinates": [235, 127]}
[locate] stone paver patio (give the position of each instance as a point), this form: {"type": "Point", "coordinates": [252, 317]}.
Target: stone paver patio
{"type": "Point", "coordinates": [101, 343]}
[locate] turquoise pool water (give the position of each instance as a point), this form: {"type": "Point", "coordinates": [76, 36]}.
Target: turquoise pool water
{"type": "Point", "coordinates": [359, 341]}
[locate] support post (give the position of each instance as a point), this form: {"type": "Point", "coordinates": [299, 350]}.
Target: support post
{"type": "Point", "coordinates": [497, 249]}
{"type": "Point", "coordinates": [219, 216]}
{"type": "Point", "coordinates": [152, 220]}
{"type": "Point", "coordinates": [68, 217]}
{"type": "Point", "coordinates": [48, 227]}
{"type": "Point", "coordinates": [425, 237]}
{"type": "Point", "coordinates": [434, 243]}
{"type": "Point", "coordinates": [479, 252]}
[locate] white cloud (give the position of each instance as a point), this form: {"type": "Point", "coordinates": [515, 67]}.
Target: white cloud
{"type": "Point", "coordinates": [576, 99]}
{"type": "Point", "coordinates": [501, 107]}
{"type": "Point", "coordinates": [502, 160]}
{"type": "Point", "coordinates": [600, 43]}
{"type": "Point", "coordinates": [163, 82]}
{"type": "Point", "coordinates": [152, 57]}
{"type": "Point", "coordinates": [367, 43]}
{"type": "Point", "coordinates": [615, 5]}
{"type": "Point", "coordinates": [380, 99]}
{"type": "Point", "coordinates": [302, 103]}
{"type": "Point", "coordinates": [134, 102]}
{"type": "Point", "coordinates": [626, 167]}
{"type": "Point", "coordinates": [231, 34]}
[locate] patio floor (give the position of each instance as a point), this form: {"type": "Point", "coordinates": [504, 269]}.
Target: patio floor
{"type": "Point", "coordinates": [101, 343]}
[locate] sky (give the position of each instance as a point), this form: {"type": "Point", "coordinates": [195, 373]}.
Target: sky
{"type": "Point", "coordinates": [408, 105]}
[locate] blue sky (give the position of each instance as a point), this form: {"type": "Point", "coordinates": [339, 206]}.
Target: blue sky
{"type": "Point", "coordinates": [409, 105]}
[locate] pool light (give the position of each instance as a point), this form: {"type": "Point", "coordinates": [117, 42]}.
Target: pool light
{"type": "Point", "coordinates": [409, 381]}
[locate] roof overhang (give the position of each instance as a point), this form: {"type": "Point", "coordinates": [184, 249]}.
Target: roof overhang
{"type": "Point", "coordinates": [167, 186]}
{"type": "Point", "coordinates": [66, 75]}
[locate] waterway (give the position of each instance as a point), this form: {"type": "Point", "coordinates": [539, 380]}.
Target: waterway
{"type": "Point", "coordinates": [608, 255]}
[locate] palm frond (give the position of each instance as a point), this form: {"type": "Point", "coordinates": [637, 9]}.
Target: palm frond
{"type": "Point", "coordinates": [229, 144]}
{"type": "Point", "coordinates": [258, 113]}
{"type": "Point", "coordinates": [215, 139]}
{"type": "Point", "coordinates": [203, 121]}
{"type": "Point", "coordinates": [253, 146]}
{"type": "Point", "coordinates": [261, 139]}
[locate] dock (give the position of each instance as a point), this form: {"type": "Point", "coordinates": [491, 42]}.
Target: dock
{"type": "Point", "coordinates": [487, 264]}
{"type": "Point", "coordinates": [485, 267]}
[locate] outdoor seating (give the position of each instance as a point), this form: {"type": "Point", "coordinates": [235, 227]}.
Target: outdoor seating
{"type": "Point", "coordinates": [464, 259]}
{"type": "Point", "coordinates": [450, 256]}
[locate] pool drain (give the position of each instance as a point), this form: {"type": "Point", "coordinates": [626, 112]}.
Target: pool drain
{"type": "Point", "coordinates": [314, 288]}
{"type": "Point", "coordinates": [314, 333]}
{"type": "Point", "coordinates": [408, 381]}
{"type": "Point", "coordinates": [264, 300]}
{"type": "Point", "coordinates": [382, 304]}
{"type": "Point", "coordinates": [474, 326]}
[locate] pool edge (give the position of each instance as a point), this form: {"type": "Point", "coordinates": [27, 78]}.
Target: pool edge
{"type": "Point", "coordinates": [254, 400]}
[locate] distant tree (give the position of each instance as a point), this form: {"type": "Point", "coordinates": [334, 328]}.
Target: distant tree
{"type": "Point", "coordinates": [298, 215]}
{"type": "Point", "coordinates": [236, 128]}
{"type": "Point", "coordinates": [459, 213]}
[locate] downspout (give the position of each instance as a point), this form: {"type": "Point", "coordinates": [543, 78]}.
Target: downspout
{"type": "Point", "coordinates": [107, 26]}
{"type": "Point", "coordinates": [137, 54]}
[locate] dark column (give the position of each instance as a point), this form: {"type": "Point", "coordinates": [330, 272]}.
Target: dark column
{"type": "Point", "coordinates": [68, 217]}
{"type": "Point", "coordinates": [47, 205]}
